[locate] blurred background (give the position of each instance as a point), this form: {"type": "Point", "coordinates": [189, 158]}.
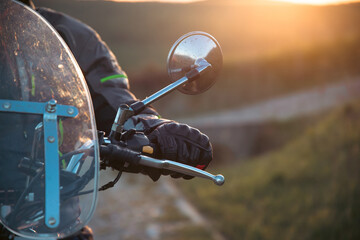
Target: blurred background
{"type": "Point", "coordinates": [283, 118]}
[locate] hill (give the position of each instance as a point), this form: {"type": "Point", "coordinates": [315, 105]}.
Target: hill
{"type": "Point", "coordinates": [141, 34]}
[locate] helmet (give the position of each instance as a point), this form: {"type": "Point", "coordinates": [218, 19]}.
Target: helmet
{"type": "Point", "coordinates": [48, 144]}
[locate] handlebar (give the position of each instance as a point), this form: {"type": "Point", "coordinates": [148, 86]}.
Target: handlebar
{"type": "Point", "coordinates": [115, 156]}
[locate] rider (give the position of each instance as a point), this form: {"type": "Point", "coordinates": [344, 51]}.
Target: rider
{"type": "Point", "coordinates": [109, 88]}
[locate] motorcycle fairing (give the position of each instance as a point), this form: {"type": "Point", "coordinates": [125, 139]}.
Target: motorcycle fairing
{"type": "Point", "coordinates": [48, 143]}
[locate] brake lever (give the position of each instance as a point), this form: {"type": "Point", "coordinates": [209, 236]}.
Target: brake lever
{"type": "Point", "coordinates": [180, 168]}
{"type": "Point", "coordinates": [134, 157]}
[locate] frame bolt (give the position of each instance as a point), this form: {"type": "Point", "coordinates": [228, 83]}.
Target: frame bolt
{"type": "Point", "coordinates": [7, 105]}
{"type": "Point", "coordinates": [51, 106]}
{"type": "Point", "coordinates": [52, 221]}
{"type": "Point", "coordinates": [51, 139]}
{"type": "Point", "coordinates": [70, 111]}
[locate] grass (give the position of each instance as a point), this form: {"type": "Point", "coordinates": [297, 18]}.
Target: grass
{"type": "Point", "coordinates": [310, 189]}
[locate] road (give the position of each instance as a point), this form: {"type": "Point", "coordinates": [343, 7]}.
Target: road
{"type": "Point", "coordinates": [282, 107]}
{"type": "Point", "coordinates": [137, 208]}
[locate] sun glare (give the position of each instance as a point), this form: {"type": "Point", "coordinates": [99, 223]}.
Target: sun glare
{"type": "Point", "coordinates": [318, 2]}
{"type": "Point", "coordinates": [312, 2]}
{"type": "Point", "coordinates": [168, 1]}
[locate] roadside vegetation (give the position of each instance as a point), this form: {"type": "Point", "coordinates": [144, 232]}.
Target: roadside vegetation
{"type": "Point", "coordinates": [309, 189]}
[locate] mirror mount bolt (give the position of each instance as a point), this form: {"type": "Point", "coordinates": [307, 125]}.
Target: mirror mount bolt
{"type": "Point", "coordinates": [201, 67]}
{"type": "Point", "coordinates": [193, 75]}
{"type": "Point", "coordinates": [123, 114]}
{"type": "Point", "coordinates": [137, 107]}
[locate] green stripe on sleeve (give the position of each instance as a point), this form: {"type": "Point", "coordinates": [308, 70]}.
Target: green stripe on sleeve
{"type": "Point", "coordinates": [61, 130]}
{"type": "Point", "coordinates": [33, 85]}
{"type": "Point", "coordinates": [63, 162]}
{"type": "Point", "coordinates": [112, 77]}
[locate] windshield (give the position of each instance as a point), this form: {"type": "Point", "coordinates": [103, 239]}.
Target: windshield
{"type": "Point", "coordinates": [48, 143]}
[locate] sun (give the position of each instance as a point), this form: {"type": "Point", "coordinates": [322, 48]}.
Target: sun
{"type": "Point", "coordinates": [318, 2]}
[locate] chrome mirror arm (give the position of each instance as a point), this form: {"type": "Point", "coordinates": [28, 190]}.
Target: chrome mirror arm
{"type": "Point", "coordinates": [201, 66]}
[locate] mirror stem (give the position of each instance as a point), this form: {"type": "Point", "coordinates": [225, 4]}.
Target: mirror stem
{"type": "Point", "coordinates": [163, 92]}
{"type": "Point", "coordinates": [202, 66]}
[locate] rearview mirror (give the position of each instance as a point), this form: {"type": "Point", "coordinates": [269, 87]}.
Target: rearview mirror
{"type": "Point", "coordinates": [184, 56]}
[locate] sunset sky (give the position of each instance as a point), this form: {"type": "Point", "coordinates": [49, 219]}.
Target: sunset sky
{"type": "Point", "coordinates": [313, 2]}
{"type": "Point", "coordinates": [319, 2]}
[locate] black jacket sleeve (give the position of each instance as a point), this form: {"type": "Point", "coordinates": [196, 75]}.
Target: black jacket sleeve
{"type": "Point", "coordinates": [108, 84]}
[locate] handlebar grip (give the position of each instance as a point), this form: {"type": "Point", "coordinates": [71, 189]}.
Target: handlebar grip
{"type": "Point", "coordinates": [115, 156]}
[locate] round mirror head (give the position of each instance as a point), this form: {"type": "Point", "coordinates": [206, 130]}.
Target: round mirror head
{"type": "Point", "coordinates": [183, 57]}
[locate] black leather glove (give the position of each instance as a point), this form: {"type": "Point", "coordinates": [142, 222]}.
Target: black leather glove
{"type": "Point", "coordinates": [181, 143]}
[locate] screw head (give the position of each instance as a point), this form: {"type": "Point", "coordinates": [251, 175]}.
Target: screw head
{"type": "Point", "coordinates": [51, 139]}
{"type": "Point", "coordinates": [52, 221]}
{"type": "Point", "coordinates": [53, 102]}
{"type": "Point", "coordinates": [51, 106]}
{"type": "Point", "coordinates": [70, 111]}
{"type": "Point", "coordinates": [7, 105]}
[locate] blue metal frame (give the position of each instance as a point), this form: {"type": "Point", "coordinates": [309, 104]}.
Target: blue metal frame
{"type": "Point", "coordinates": [36, 108]}
{"type": "Point", "coordinates": [50, 111]}
{"type": "Point", "coordinates": [52, 170]}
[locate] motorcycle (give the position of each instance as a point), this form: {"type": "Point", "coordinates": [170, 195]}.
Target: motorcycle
{"type": "Point", "coordinates": [50, 150]}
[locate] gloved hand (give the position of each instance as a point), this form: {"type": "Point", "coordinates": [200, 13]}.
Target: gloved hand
{"type": "Point", "coordinates": [180, 143]}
